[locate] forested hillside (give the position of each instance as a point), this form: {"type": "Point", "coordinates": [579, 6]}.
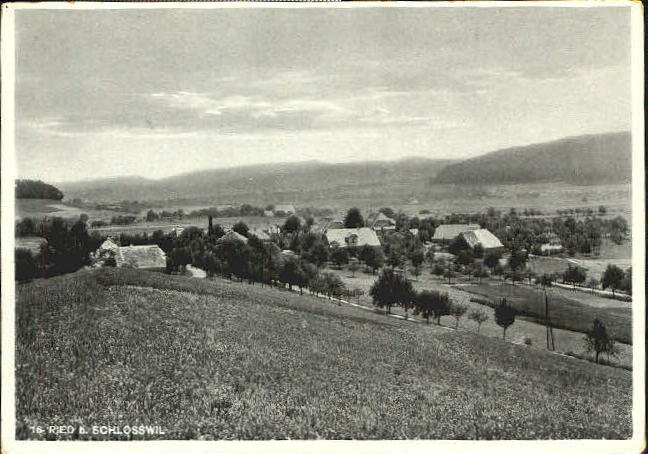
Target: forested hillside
{"type": "Point", "coordinates": [590, 159]}
{"type": "Point", "coordinates": [36, 189]}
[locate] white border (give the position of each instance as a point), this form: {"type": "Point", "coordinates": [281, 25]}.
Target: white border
{"type": "Point", "coordinates": [10, 445]}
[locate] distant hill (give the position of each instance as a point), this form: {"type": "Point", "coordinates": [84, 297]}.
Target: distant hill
{"type": "Point", "coordinates": [311, 180]}
{"type": "Point", "coordinates": [588, 159]}
{"type": "Point", "coordinates": [36, 189]}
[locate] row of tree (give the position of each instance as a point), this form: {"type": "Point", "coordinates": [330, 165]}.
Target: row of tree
{"type": "Point", "coordinates": [393, 289]}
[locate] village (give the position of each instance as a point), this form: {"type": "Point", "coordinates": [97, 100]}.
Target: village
{"type": "Point", "coordinates": [287, 223]}
{"type": "Point", "coordinates": [343, 259]}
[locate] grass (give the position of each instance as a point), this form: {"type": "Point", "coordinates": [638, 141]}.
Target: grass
{"type": "Point", "coordinates": [224, 360]}
{"type": "Point", "coordinates": [566, 341]}
{"type": "Point", "coordinates": [39, 208]}
{"type": "Point", "coordinates": [565, 312]}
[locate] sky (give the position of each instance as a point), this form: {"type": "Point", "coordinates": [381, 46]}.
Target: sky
{"type": "Point", "coordinates": [160, 92]}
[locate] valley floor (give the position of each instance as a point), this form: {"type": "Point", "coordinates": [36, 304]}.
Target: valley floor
{"type": "Point", "coordinates": [215, 359]}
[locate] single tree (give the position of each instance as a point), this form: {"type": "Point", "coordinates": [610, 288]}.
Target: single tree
{"type": "Point", "coordinates": [626, 282]}
{"type": "Point", "coordinates": [425, 304]}
{"type": "Point", "coordinates": [465, 257]}
{"type": "Point", "coordinates": [395, 259]}
{"type": "Point", "coordinates": [353, 219]}
{"type": "Point", "coordinates": [292, 274]}
{"type": "Point", "coordinates": [593, 284]}
{"type": "Point", "coordinates": [574, 275]}
{"type": "Point", "coordinates": [480, 272]}
{"type": "Point", "coordinates": [492, 260]}
{"type": "Point", "coordinates": [612, 278]}
{"type": "Point", "coordinates": [457, 245]}
{"type": "Point", "coordinates": [478, 316]}
{"type": "Point", "coordinates": [292, 224]}
{"type": "Point", "coordinates": [449, 275]}
{"type": "Point", "coordinates": [457, 310]}
{"type": "Point", "coordinates": [442, 306]}
{"type": "Point", "coordinates": [356, 293]}
{"type": "Point", "coordinates": [504, 316]}
{"type": "Point", "coordinates": [373, 258]}
{"type": "Point", "coordinates": [517, 260]}
{"type": "Point", "coordinates": [26, 265]}
{"type": "Point", "coordinates": [334, 286]}
{"type": "Point", "coordinates": [598, 340]}
{"type": "Point", "coordinates": [339, 256]}
{"type": "Point", "coordinates": [241, 228]}
{"type": "Point", "coordinates": [353, 267]}
{"type": "Point", "coordinates": [317, 254]}
{"type": "Point", "coordinates": [391, 289]}
{"type": "Point", "coordinates": [417, 257]}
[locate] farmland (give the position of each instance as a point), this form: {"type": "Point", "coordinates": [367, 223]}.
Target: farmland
{"type": "Point", "coordinates": [216, 359]}
{"type": "Point", "coordinates": [566, 313]}
{"type": "Point", "coordinates": [37, 208]}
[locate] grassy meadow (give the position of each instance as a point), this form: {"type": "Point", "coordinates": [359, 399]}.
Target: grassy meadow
{"type": "Point", "coordinates": [527, 327]}
{"type": "Point", "coordinates": [566, 311]}
{"type": "Point", "coordinates": [215, 359]}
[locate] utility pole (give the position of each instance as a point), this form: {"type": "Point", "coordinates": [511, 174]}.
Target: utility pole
{"type": "Point", "coordinates": [550, 337]}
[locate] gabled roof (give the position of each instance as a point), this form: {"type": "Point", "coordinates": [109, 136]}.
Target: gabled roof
{"type": "Point", "coordinates": [363, 236]}
{"type": "Point", "coordinates": [382, 218]}
{"type": "Point", "coordinates": [144, 257]}
{"type": "Point", "coordinates": [333, 224]}
{"type": "Point", "coordinates": [451, 231]}
{"type": "Point", "coordinates": [284, 208]}
{"type": "Point", "coordinates": [483, 237]}
{"type": "Point", "coordinates": [232, 236]}
{"type": "Point", "coordinates": [109, 245]}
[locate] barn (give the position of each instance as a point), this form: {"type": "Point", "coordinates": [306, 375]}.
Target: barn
{"type": "Point", "coordinates": [483, 237]}
{"type": "Point", "coordinates": [284, 210]}
{"type": "Point", "coordinates": [445, 233]}
{"type": "Point", "coordinates": [149, 257]}
{"type": "Point", "coordinates": [232, 236]}
{"type": "Point", "coordinates": [363, 236]}
{"type": "Point", "coordinates": [383, 223]}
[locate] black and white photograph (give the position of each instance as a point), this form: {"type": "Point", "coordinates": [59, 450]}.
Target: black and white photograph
{"type": "Point", "coordinates": [279, 222]}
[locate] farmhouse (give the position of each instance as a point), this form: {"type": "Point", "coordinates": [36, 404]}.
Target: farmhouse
{"type": "Point", "coordinates": [552, 245]}
{"type": "Point", "coordinates": [232, 236]}
{"type": "Point", "coordinates": [448, 232]}
{"type": "Point", "coordinates": [383, 223]}
{"type": "Point", "coordinates": [333, 224]}
{"type": "Point", "coordinates": [284, 210]}
{"type": "Point", "coordinates": [363, 236]}
{"type": "Point", "coordinates": [483, 237]}
{"type": "Point", "coordinates": [140, 257]}
{"type": "Point", "coordinates": [268, 213]}
{"type": "Point", "coordinates": [108, 246]}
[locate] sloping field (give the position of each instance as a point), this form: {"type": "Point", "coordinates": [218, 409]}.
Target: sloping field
{"type": "Point", "coordinates": [566, 311]}
{"type": "Point", "coordinates": [224, 360]}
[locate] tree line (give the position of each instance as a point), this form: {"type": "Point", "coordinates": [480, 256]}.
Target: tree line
{"type": "Point", "coordinates": [393, 289]}
{"type": "Point", "coordinates": [36, 189]}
